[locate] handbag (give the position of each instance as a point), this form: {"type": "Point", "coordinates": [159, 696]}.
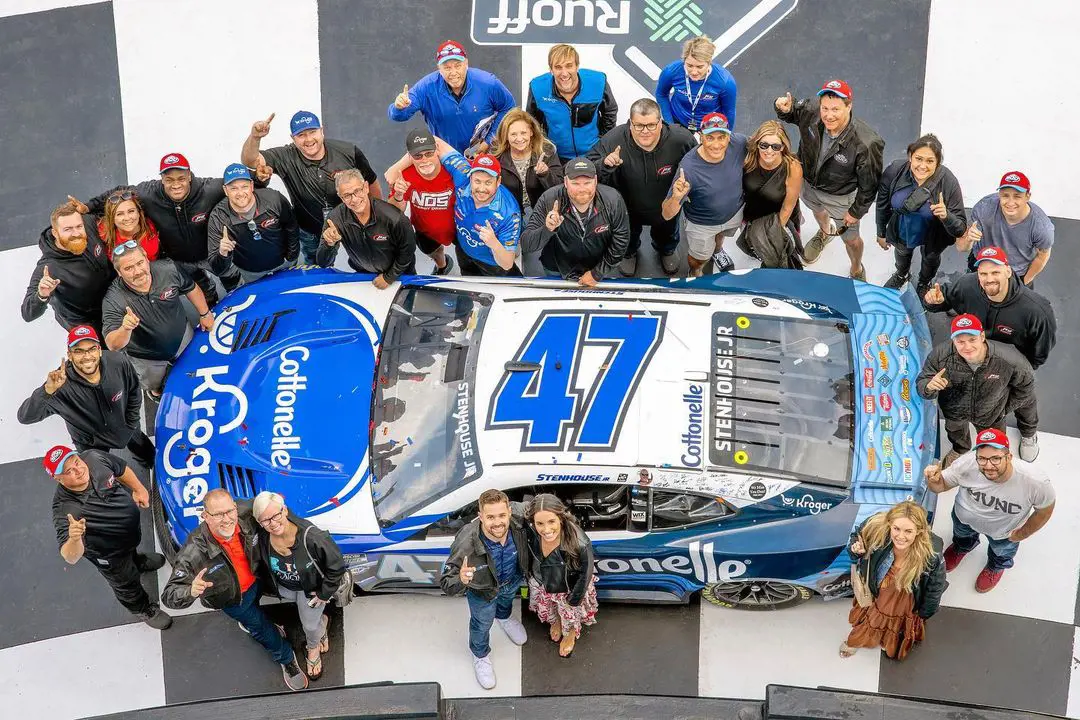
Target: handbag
{"type": "Point", "coordinates": [346, 590]}
{"type": "Point", "coordinates": [860, 586]}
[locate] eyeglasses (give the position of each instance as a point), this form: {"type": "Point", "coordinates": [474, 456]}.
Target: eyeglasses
{"type": "Point", "coordinates": [223, 514]}
{"type": "Point", "coordinates": [83, 352]}
{"type": "Point", "coordinates": [277, 517]}
{"type": "Point", "coordinates": [645, 127]}
{"type": "Point", "coordinates": [994, 460]}
{"type": "Point", "coordinates": [776, 147]}
{"type": "Point", "coordinates": [124, 247]}
{"type": "Point", "coordinates": [348, 197]}
{"type": "Point", "coordinates": [255, 234]}
{"type": "Point", "coordinates": [118, 197]}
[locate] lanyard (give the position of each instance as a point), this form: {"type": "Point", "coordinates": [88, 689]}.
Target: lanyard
{"type": "Point", "coordinates": [694, 102]}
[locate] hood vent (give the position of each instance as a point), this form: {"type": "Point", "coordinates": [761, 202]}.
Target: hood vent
{"type": "Point", "coordinates": [256, 331]}
{"type": "Point", "coordinates": [239, 481]}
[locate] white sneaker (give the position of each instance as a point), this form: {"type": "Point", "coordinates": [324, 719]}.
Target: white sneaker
{"type": "Point", "coordinates": [514, 630]}
{"type": "Point", "coordinates": [1029, 448]}
{"type": "Point", "coordinates": [485, 673]}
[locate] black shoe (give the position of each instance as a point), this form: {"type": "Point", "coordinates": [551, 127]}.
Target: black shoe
{"type": "Point", "coordinates": [896, 281]}
{"type": "Point", "coordinates": [445, 269]}
{"type": "Point", "coordinates": [149, 562]}
{"type": "Point", "coordinates": [922, 289]}
{"type": "Point", "coordinates": [157, 619]}
{"type": "Point", "coordinates": [722, 262]}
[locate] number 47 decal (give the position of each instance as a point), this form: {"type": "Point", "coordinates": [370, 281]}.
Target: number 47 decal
{"type": "Point", "coordinates": [538, 391]}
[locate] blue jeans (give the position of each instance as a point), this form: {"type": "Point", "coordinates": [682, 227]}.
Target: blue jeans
{"type": "Point", "coordinates": [248, 614]}
{"type": "Point", "coordinates": [482, 613]}
{"type": "Point", "coordinates": [1000, 553]}
{"type": "Point", "coordinates": [308, 245]}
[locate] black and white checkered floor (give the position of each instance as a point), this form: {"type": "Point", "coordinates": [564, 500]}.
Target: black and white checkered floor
{"type": "Point", "coordinates": [94, 93]}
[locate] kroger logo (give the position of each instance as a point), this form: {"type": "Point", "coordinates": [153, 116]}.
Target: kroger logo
{"type": "Point", "coordinates": [647, 34]}
{"type": "Point", "coordinates": [806, 502]}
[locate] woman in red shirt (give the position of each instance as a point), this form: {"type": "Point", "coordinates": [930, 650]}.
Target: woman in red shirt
{"type": "Point", "coordinates": [125, 220]}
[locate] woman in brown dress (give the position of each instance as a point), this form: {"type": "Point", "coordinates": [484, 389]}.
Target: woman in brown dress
{"type": "Point", "coordinates": [900, 560]}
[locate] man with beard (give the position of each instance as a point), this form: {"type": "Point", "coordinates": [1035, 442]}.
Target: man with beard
{"type": "Point", "coordinates": [96, 392]}
{"type": "Point", "coordinates": [639, 159]}
{"type": "Point", "coordinates": [73, 272]}
{"type": "Point", "coordinates": [1005, 501]}
{"type": "Point", "coordinates": [1010, 311]}
{"type": "Point", "coordinates": [377, 236]}
{"type": "Point", "coordinates": [573, 106]}
{"type": "Point", "coordinates": [978, 382]}
{"type": "Point", "coordinates": [420, 183]}
{"type": "Point", "coordinates": [308, 167]}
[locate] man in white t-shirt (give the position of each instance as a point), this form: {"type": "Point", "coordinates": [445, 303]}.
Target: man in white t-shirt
{"type": "Point", "coordinates": [1005, 501]}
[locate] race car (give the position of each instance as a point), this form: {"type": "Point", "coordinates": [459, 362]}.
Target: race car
{"type": "Point", "coordinates": [723, 434]}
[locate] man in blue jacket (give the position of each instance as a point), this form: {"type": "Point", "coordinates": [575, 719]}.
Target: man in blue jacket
{"type": "Point", "coordinates": [462, 105]}
{"type": "Point", "coordinates": [573, 106]}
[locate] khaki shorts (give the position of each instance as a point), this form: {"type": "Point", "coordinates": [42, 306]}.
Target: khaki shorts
{"type": "Point", "coordinates": [836, 206]}
{"type": "Point", "coordinates": [701, 239]}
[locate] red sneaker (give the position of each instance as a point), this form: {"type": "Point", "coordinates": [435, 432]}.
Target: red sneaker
{"type": "Point", "coordinates": [952, 557]}
{"type": "Point", "coordinates": [987, 579]}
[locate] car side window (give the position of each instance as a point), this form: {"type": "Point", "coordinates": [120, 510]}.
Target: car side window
{"type": "Point", "coordinates": [672, 510]}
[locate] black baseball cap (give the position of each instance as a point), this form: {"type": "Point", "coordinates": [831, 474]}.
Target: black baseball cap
{"type": "Point", "coordinates": [580, 167]}
{"type": "Point", "coordinates": [419, 141]}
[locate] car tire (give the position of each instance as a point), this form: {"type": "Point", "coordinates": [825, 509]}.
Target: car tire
{"type": "Point", "coordinates": [161, 525]}
{"type": "Point", "coordinates": [756, 594]}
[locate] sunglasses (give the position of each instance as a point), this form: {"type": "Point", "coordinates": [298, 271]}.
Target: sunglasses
{"type": "Point", "coordinates": [255, 234]}
{"type": "Point", "coordinates": [776, 147]}
{"type": "Point", "coordinates": [124, 247]}
{"type": "Point", "coordinates": [118, 197]}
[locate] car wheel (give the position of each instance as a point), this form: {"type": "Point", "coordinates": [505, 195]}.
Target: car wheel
{"type": "Point", "coordinates": [161, 525]}
{"type": "Point", "coordinates": [756, 595]}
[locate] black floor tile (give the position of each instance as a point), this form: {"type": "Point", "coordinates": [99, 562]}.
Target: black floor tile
{"type": "Point", "coordinates": [987, 659]}
{"type": "Point", "coordinates": [638, 649]}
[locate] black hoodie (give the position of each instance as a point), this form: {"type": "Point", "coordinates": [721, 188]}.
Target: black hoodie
{"type": "Point", "coordinates": [644, 178]}
{"type": "Point", "coordinates": [102, 415]}
{"type": "Point", "coordinates": [1023, 319]}
{"type": "Point", "coordinates": [595, 245]}
{"type": "Point", "coordinates": [84, 279]}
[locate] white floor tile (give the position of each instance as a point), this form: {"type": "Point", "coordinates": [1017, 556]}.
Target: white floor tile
{"type": "Point", "coordinates": [741, 652]}
{"type": "Point", "coordinates": [1042, 584]}
{"type": "Point", "coordinates": [420, 638]}
{"type": "Point", "coordinates": [92, 673]}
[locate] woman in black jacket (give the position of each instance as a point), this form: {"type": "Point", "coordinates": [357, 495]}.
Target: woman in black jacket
{"type": "Point", "coordinates": [899, 560]}
{"type": "Point", "coordinates": [529, 162]}
{"type": "Point", "coordinates": [562, 588]}
{"type": "Point", "coordinates": [919, 204]}
{"type": "Point", "coordinates": [303, 564]}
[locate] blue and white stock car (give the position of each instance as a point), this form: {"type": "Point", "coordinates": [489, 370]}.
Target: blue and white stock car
{"type": "Point", "coordinates": [723, 434]}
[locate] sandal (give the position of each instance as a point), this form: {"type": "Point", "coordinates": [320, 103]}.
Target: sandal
{"type": "Point", "coordinates": [563, 652]}
{"type": "Point", "coordinates": [324, 643]}
{"type": "Point", "coordinates": [314, 667]}
{"type": "Point", "coordinates": [846, 650]}
{"type": "Point", "coordinates": [556, 632]}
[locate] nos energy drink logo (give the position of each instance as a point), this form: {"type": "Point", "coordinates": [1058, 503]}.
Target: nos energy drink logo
{"type": "Point", "coordinates": [647, 34]}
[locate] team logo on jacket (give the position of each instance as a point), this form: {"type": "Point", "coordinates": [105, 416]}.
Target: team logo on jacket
{"type": "Point", "coordinates": [600, 228]}
{"type": "Point", "coordinates": [840, 158]}
{"type": "Point", "coordinates": [664, 170]}
{"type": "Point", "coordinates": [199, 218]}
{"type": "Point", "coordinates": [98, 250]}
{"type": "Point", "coordinates": [168, 293]}
{"type": "Point", "coordinates": [1004, 329]}
{"type": "Point", "coordinates": [117, 396]}
{"type": "Point", "coordinates": [110, 482]}
{"type": "Point", "coordinates": [380, 237]}
{"type": "Point", "coordinates": [269, 223]}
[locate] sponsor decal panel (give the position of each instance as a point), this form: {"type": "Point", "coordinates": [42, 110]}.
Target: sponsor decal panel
{"type": "Point", "coordinates": [868, 404]}
{"type": "Point", "coordinates": [907, 470]}
{"type": "Point", "coordinates": [905, 414]}
{"type": "Point", "coordinates": [883, 361]}
{"type": "Point", "coordinates": [886, 402]}
{"type": "Point", "coordinates": [883, 339]}
{"type": "Point", "coordinates": [868, 378]}
{"type": "Point", "coordinates": [887, 422]}
{"type": "Point", "coordinates": [905, 390]}
{"type": "Point", "coordinates": [866, 352]}
{"type": "Point", "coordinates": [903, 343]}
{"type": "Point", "coordinates": [887, 446]}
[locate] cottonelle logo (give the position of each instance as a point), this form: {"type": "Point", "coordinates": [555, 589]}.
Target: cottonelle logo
{"type": "Point", "coordinates": [647, 34]}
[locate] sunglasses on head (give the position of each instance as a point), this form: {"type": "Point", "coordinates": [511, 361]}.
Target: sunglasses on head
{"type": "Point", "coordinates": [118, 197]}
{"type": "Point", "coordinates": [776, 147]}
{"type": "Point", "coordinates": [124, 247]}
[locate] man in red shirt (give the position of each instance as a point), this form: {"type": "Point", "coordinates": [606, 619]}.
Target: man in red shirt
{"type": "Point", "coordinates": [420, 181]}
{"type": "Point", "coordinates": [219, 564]}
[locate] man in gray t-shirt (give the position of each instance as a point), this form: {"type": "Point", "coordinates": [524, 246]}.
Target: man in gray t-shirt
{"type": "Point", "coordinates": [1003, 500]}
{"type": "Point", "coordinates": [1009, 220]}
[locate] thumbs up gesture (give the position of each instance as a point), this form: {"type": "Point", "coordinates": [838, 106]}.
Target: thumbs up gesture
{"type": "Point", "coordinates": [401, 187]}
{"type": "Point", "coordinates": [261, 128]}
{"type": "Point", "coordinates": [46, 284]}
{"type": "Point", "coordinates": [553, 219]}
{"type": "Point", "coordinates": [614, 158]}
{"type": "Point", "coordinates": [79, 205]}
{"type": "Point", "coordinates": [263, 172]}
{"type": "Point", "coordinates": [227, 243]}
{"type": "Point", "coordinates": [934, 296]}
{"type": "Point", "coordinates": [938, 208]}
{"type": "Point", "coordinates": [55, 379]}
{"type": "Point", "coordinates": [130, 321]}
{"type": "Point", "coordinates": [199, 584]}
{"type": "Point", "coordinates": [541, 167]}
{"type": "Point", "coordinates": [403, 101]}
{"type": "Point", "coordinates": [76, 528]}
{"type": "Point", "coordinates": [784, 103]}
{"type": "Point", "coordinates": [331, 235]}
{"type": "Point", "coordinates": [974, 233]}
{"type": "Point", "coordinates": [939, 382]}
{"type": "Point", "coordinates": [467, 572]}
{"type": "Point", "coordinates": [681, 186]}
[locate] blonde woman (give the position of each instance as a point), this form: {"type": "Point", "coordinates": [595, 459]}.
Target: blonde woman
{"type": "Point", "coordinates": [772, 181]}
{"type": "Point", "coordinates": [529, 162]}
{"type": "Point", "coordinates": [689, 89]}
{"type": "Point", "coordinates": [901, 563]}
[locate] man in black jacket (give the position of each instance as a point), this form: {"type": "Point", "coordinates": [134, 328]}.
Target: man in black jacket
{"type": "Point", "coordinates": [488, 563]}
{"type": "Point", "coordinates": [220, 564]}
{"type": "Point", "coordinates": [639, 159]}
{"type": "Point", "coordinates": [978, 382]}
{"type": "Point", "coordinates": [73, 272]}
{"type": "Point", "coordinates": [1012, 312]}
{"type": "Point", "coordinates": [581, 229]}
{"type": "Point", "coordinates": [377, 237]}
{"type": "Point", "coordinates": [841, 158]}
{"type": "Point", "coordinates": [97, 394]}
{"type": "Point", "coordinates": [252, 230]}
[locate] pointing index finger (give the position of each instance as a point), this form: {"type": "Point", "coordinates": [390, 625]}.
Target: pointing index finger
{"type": "Point", "coordinates": [555, 207]}
{"type": "Point", "coordinates": [271, 118]}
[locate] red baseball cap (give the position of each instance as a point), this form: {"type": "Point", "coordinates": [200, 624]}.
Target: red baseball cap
{"type": "Point", "coordinates": [839, 88]}
{"type": "Point", "coordinates": [1016, 180]}
{"type": "Point", "coordinates": [966, 324]}
{"type": "Point", "coordinates": [450, 50]}
{"type": "Point", "coordinates": [56, 457]}
{"type": "Point", "coordinates": [82, 332]}
{"type": "Point", "coordinates": [174, 161]}
{"type": "Point", "coordinates": [992, 437]}
{"type": "Point", "coordinates": [486, 163]}
{"type": "Point", "coordinates": [715, 122]}
{"type": "Point", "coordinates": [992, 254]}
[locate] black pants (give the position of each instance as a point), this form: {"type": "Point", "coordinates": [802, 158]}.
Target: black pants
{"type": "Point", "coordinates": [468, 267]}
{"type": "Point", "coordinates": [664, 234]}
{"type": "Point", "coordinates": [139, 445]}
{"type": "Point", "coordinates": [122, 573]}
{"type": "Point", "coordinates": [931, 261]}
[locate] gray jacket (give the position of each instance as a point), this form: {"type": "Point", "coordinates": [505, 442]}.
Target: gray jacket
{"type": "Point", "coordinates": [1004, 382]}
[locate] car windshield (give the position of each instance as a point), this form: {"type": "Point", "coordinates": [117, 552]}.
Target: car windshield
{"type": "Point", "coordinates": [782, 397]}
{"type": "Point", "coordinates": [423, 440]}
